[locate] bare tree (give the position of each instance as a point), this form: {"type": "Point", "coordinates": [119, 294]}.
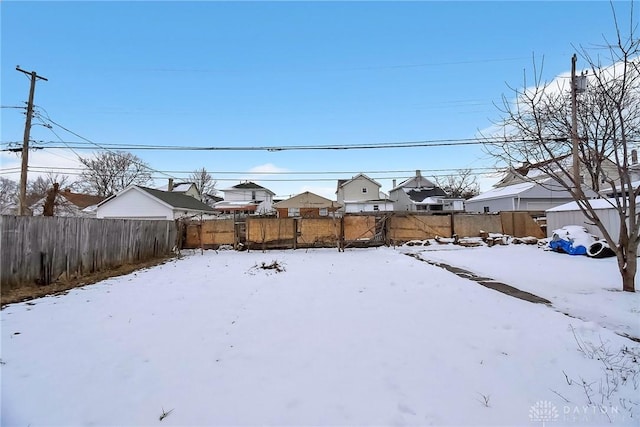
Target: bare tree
{"type": "Point", "coordinates": [204, 181]}
{"type": "Point", "coordinates": [462, 185]}
{"type": "Point", "coordinates": [38, 187]}
{"type": "Point", "coordinates": [113, 171]}
{"type": "Point", "coordinates": [8, 194]}
{"type": "Point", "coordinates": [537, 128]}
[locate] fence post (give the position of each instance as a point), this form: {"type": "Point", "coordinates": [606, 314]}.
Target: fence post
{"type": "Point", "coordinates": [453, 226]}
{"type": "Point", "coordinates": [295, 233]}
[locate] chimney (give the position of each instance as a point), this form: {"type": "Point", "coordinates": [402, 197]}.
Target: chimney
{"type": "Point", "coordinates": [634, 157]}
{"type": "Point", "coordinates": [170, 186]}
{"type": "Point", "coordinates": [418, 174]}
{"type": "Point", "coordinates": [393, 183]}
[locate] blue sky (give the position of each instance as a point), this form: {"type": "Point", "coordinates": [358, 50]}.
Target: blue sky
{"type": "Point", "coordinates": [243, 74]}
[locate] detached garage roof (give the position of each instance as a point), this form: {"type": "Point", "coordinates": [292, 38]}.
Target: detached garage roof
{"type": "Point", "coordinates": [500, 192]}
{"type": "Point", "coordinates": [307, 200]}
{"type": "Point", "coordinates": [174, 200]}
{"type": "Point", "coordinates": [595, 204]}
{"type": "Point", "coordinates": [178, 200]}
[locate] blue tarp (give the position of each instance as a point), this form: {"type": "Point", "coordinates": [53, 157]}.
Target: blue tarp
{"type": "Point", "coordinates": [560, 245]}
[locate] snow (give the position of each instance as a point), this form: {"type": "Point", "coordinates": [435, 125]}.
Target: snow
{"type": "Point", "coordinates": [510, 190]}
{"type": "Point", "coordinates": [576, 235]}
{"type": "Point", "coordinates": [595, 204]}
{"type": "Point", "coordinates": [364, 337]}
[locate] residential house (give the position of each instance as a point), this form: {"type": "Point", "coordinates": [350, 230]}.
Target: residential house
{"type": "Point", "coordinates": [68, 203]}
{"type": "Point", "coordinates": [420, 194]}
{"type": "Point", "coordinates": [210, 199]}
{"type": "Point", "coordinates": [138, 202]}
{"type": "Point", "coordinates": [186, 188]}
{"type": "Point", "coordinates": [361, 194]}
{"type": "Point", "coordinates": [306, 205]}
{"type": "Point", "coordinates": [246, 198]}
{"type": "Point", "coordinates": [529, 188]}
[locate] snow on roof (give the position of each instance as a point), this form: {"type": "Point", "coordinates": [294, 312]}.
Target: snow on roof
{"type": "Point", "coordinates": [179, 187]}
{"type": "Point", "coordinates": [184, 186]}
{"type": "Point", "coordinates": [499, 192]}
{"type": "Point", "coordinates": [595, 204]}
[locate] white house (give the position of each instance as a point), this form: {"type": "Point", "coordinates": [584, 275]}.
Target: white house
{"type": "Point", "coordinates": [420, 194]}
{"type": "Point", "coordinates": [137, 202]}
{"type": "Point", "coordinates": [247, 198]}
{"type": "Point", "coordinates": [527, 188]}
{"type": "Point", "coordinates": [524, 196]}
{"type": "Point", "coordinates": [306, 205]}
{"type": "Point", "coordinates": [187, 188]}
{"type": "Point", "coordinates": [361, 194]}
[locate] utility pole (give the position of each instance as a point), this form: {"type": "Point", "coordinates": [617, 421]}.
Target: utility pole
{"type": "Point", "coordinates": [25, 142]}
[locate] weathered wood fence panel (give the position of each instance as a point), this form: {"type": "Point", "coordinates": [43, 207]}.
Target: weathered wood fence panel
{"type": "Point", "coordinates": [470, 225]}
{"type": "Point", "coordinates": [322, 232]}
{"type": "Point", "coordinates": [359, 227]}
{"type": "Point", "coordinates": [418, 227]}
{"type": "Point", "coordinates": [39, 250]}
{"type": "Point", "coordinates": [271, 232]}
{"type": "Point", "coordinates": [520, 224]}
{"type": "Point", "coordinates": [212, 233]}
{"type": "Point", "coordinates": [359, 230]}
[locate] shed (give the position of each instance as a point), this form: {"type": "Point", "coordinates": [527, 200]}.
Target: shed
{"type": "Point", "coordinates": [570, 214]}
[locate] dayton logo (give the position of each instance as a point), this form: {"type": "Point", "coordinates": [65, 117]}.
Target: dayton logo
{"type": "Point", "coordinates": [543, 411]}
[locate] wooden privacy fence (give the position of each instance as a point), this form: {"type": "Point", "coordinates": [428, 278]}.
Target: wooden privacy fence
{"type": "Point", "coordinates": [38, 250]}
{"type": "Point", "coordinates": [353, 230]}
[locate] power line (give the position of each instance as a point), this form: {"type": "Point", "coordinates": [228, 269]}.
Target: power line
{"type": "Point", "coordinates": [341, 172]}
{"type": "Point", "coordinates": [50, 120]}
{"type": "Point", "coordinates": [337, 147]}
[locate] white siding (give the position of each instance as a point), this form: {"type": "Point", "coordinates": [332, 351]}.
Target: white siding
{"type": "Point", "coordinates": [494, 205]}
{"type": "Point", "coordinates": [370, 206]}
{"type": "Point", "coordinates": [402, 202]}
{"type": "Point", "coordinates": [352, 191]}
{"type": "Point", "coordinates": [609, 218]}
{"type": "Point", "coordinates": [246, 195]}
{"type": "Point", "coordinates": [135, 205]}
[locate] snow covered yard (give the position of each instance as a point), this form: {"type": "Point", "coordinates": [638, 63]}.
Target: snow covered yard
{"type": "Point", "coordinates": [364, 337]}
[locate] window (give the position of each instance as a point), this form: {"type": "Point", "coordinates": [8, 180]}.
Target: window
{"type": "Point", "coordinates": [364, 190]}
{"type": "Point", "coordinates": [293, 212]}
{"type": "Point", "coordinates": [486, 209]}
{"type": "Point", "coordinates": [323, 212]}
{"type": "Point", "coordinates": [253, 195]}
{"type": "Point", "coordinates": [376, 208]}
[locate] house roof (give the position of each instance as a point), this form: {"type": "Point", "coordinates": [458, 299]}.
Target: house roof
{"type": "Point", "coordinates": [249, 186]}
{"type": "Point", "coordinates": [595, 204]}
{"type": "Point", "coordinates": [306, 200]}
{"type": "Point", "coordinates": [343, 182]}
{"type": "Point", "coordinates": [179, 187]}
{"type": "Point", "coordinates": [417, 181]}
{"type": "Point", "coordinates": [501, 192]}
{"type": "Point", "coordinates": [421, 195]}
{"type": "Point", "coordinates": [68, 204]}
{"type": "Point", "coordinates": [81, 200]}
{"type": "Point", "coordinates": [177, 200]}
